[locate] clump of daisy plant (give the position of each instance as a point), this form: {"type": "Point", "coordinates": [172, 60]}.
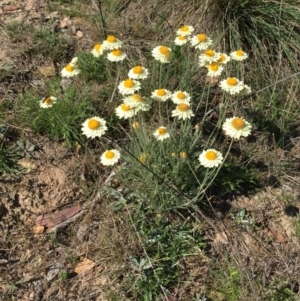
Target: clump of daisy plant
{"type": "Point", "coordinates": [110, 157]}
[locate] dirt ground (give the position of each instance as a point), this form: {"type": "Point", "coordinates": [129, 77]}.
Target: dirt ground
{"type": "Point", "coordinates": [34, 266]}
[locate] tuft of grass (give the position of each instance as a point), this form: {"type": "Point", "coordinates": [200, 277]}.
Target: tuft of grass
{"type": "Point", "coordinates": [63, 120]}
{"type": "Point", "coordinates": [91, 68]}
{"type": "Point", "coordinates": [51, 45]}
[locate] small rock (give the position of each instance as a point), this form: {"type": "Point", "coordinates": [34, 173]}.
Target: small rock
{"type": "Point", "coordinates": [65, 23]}
{"type": "Point", "coordinates": [79, 34]}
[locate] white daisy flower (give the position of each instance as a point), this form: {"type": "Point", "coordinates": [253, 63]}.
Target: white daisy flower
{"type": "Point", "coordinates": [47, 102]}
{"type": "Point", "coordinates": [245, 91]}
{"type": "Point", "coordinates": [110, 157]}
{"type": "Point", "coordinates": [116, 55]}
{"type": "Point", "coordinates": [97, 50]}
{"type": "Point", "coordinates": [125, 111]}
{"type": "Point", "coordinates": [74, 61]}
{"type": "Point", "coordinates": [161, 94]}
{"type": "Point", "coordinates": [111, 43]}
{"type": "Point", "coordinates": [201, 41]}
{"type": "Point", "coordinates": [94, 127]}
{"type": "Point", "coordinates": [181, 40]}
{"type": "Point", "coordinates": [238, 55]}
{"type": "Point", "coordinates": [181, 97]}
{"type": "Point", "coordinates": [138, 102]}
{"type": "Point", "coordinates": [232, 85]}
{"type": "Point", "coordinates": [129, 86]}
{"type": "Point", "coordinates": [161, 133]}
{"type": "Point", "coordinates": [208, 57]}
{"type": "Point", "coordinates": [236, 127]}
{"type": "Point", "coordinates": [162, 54]}
{"type": "Point", "coordinates": [185, 30]}
{"type": "Point", "coordinates": [214, 69]}
{"type": "Point", "coordinates": [138, 72]}
{"type": "Point", "coordinates": [70, 71]}
{"type": "Point", "coordinates": [224, 59]}
{"type": "Point", "coordinates": [183, 111]}
{"type": "Point", "coordinates": [210, 158]}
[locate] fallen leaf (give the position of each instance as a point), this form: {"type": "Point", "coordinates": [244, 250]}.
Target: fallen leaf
{"type": "Point", "coordinates": [66, 22]}
{"type": "Point", "coordinates": [38, 229]}
{"type": "Point", "coordinates": [27, 164]}
{"type": "Point", "coordinates": [11, 7]}
{"type": "Point", "coordinates": [47, 71]}
{"type": "Point", "coordinates": [54, 270]}
{"type": "Point", "coordinates": [84, 265]}
{"type": "Point", "coordinates": [51, 219]}
{"type": "Point", "coordinates": [221, 238]}
{"type": "Point", "coordinates": [279, 237]}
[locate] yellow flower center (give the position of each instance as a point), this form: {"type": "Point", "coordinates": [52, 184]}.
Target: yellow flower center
{"type": "Point", "coordinates": [209, 53]}
{"type": "Point", "coordinates": [109, 155]}
{"type": "Point", "coordinates": [238, 123]}
{"type": "Point", "coordinates": [128, 83]}
{"type": "Point", "coordinates": [116, 52]}
{"type": "Point", "coordinates": [181, 38]}
{"type": "Point", "coordinates": [214, 67]}
{"type": "Point", "coordinates": [183, 155]}
{"type": "Point", "coordinates": [161, 131]}
{"type": "Point", "coordinates": [222, 58]}
{"type": "Point", "coordinates": [125, 107]}
{"type": "Point", "coordinates": [137, 98]}
{"type": "Point", "coordinates": [201, 37]}
{"type": "Point", "coordinates": [239, 52]}
{"type": "Point", "coordinates": [111, 39]}
{"type": "Point", "coordinates": [48, 100]}
{"type": "Point", "coordinates": [211, 155]}
{"type": "Point", "coordinates": [69, 68]}
{"type": "Point", "coordinates": [181, 95]}
{"type": "Point", "coordinates": [97, 47]}
{"type": "Point", "coordinates": [161, 92]}
{"type": "Point", "coordinates": [138, 70]}
{"type": "Point", "coordinates": [164, 51]}
{"type": "Point", "coordinates": [183, 107]}
{"type": "Point", "coordinates": [184, 28]}
{"type": "Point", "coordinates": [93, 124]}
{"type": "Point", "coordinates": [231, 81]}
